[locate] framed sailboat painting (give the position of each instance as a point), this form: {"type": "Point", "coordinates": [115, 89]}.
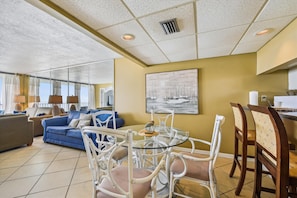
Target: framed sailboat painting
{"type": "Point", "coordinates": [177, 90]}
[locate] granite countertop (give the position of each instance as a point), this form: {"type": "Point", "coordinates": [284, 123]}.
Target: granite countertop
{"type": "Point", "coordinates": [289, 115]}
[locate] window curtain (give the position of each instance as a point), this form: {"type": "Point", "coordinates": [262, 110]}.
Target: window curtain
{"type": "Point", "coordinates": [77, 93]}
{"type": "Point", "coordinates": [56, 87]}
{"type": "Point", "coordinates": [34, 84]}
{"type": "Point", "coordinates": [11, 87]}
{"type": "Point", "coordinates": [91, 101]}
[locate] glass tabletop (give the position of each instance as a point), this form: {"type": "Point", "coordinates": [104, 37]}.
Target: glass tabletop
{"type": "Point", "coordinates": [159, 138]}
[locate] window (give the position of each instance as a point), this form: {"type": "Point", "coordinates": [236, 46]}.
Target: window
{"type": "Point", "coordinates": [44, 91]}
{"type": "Point", "coordinates": [84, 95]}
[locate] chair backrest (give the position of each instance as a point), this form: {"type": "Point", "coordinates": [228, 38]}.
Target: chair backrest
{"type": "Point", "coordinates": [240, 120]}
{"type": "Point", "coordinates": [106, 174]}
{"type": "Point", "coordinates": [100, 159]}
{"type": "Point", "coordinates": [272, 146]}
{"type": "Point", "coordinates": [216, 137]}
{"type": "Point", "coordinates": [164, 117]}
{"type": "Point", "coordinates": [102, 118]}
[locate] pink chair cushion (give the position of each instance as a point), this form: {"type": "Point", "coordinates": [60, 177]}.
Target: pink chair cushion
{"type": "Point", "coordinates": [198, 170]}
{"type": "Point", "coordinates": [120, 174]}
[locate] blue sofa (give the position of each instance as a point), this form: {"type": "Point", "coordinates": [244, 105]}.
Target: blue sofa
{"type": "Point", "coordinates": [57, 129]}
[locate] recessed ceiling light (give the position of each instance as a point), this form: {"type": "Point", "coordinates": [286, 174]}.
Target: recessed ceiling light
{"type": "Point", "coordinates": [128, 37]}
{"type": "Point", "coordinates": [265, 31]}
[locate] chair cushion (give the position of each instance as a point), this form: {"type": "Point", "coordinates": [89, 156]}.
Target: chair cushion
{"type": "Point", "coordinates": [120, 153]}
{"type": "Point", "coordinates": [293, 164]}
{"type": "Point", "coordinates": [120, 175]}
{"type": "Point", "coordinates": [195, 169]}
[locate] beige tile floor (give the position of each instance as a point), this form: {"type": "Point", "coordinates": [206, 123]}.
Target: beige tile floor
{"type": "Point", "coordinates": [47, 170]}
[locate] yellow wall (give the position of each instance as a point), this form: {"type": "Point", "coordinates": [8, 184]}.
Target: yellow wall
{"type": "Point", "coordinates": [97, 92]}
{"type": "Point", "coordinates": [221, 80]}
{"type": "Point", "coordinates": [279, 50]}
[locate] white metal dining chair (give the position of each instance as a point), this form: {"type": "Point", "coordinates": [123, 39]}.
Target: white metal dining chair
{"type": "Point", "coordinates": [163, 118]}
{"type": "Point", "coordinates": [102, 119]}
{"type": "Point", "coordinates": [195, 167]}
{"type": "Point", "coordinates": [113, 180]}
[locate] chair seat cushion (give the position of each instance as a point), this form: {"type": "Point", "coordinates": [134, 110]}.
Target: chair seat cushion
{"type": "Point", "coordinates": [251, 135]}
{"type": "Point", "coordinates": [195, 169]}
{"type": "Point", "coordinates": [293, 164]}
{"type": "Point", "coordinates": [120, 175]}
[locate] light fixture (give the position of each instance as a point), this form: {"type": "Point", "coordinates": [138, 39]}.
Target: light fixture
{"type": "Point", "coordinates": [19, 99]}
{"type": "Point", "coordinates": [55, 99]}
{"type": "Point", "coordinates": [128, 37]}
{"type": "Point", "coordinates": [72, 100]}
{"type": "Point", "coordinates": [265, 31]}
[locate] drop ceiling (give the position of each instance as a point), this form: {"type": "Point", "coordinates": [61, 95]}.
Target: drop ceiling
{"type": "Point", "coordinates": [40, 35]}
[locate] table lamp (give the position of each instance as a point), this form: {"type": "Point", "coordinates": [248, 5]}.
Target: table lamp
{"type": "Point", "coordinates": [19, 100]}
{"type": "Point", "coordinates": [72, 100]}
{"type": "Point", "coordinates": [55, 99]}
{"type": "Point", "coordinates": [35, 100]}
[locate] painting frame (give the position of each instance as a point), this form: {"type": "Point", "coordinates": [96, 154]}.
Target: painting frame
{"type": "Point", "coordinates": [176, 90]}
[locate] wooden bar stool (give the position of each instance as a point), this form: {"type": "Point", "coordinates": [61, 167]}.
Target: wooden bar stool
{"type": "Point", "coordinates": [272, 151]}
{"type": "Point", "coordinates": [247, 138]}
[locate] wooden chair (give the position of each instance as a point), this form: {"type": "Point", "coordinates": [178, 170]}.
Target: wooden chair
{"type": "Point", "coordinates": [195, 167]}
{"type": "Point", "coordinates": [113, 180]}
{"type": "Point", "coordinates": [247, 138]}
{"type": "Point", "coordinates": [272, 151]}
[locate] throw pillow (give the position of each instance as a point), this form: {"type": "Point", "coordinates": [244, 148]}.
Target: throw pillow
{"type": "Point", "coordinates": [73, 115]}
{"type": "Point", "coordinates": [83, 123]}
{"type": "Point", "coordinates": [84, 116]}
{"type": "Point", "coordinates": [73, 123]}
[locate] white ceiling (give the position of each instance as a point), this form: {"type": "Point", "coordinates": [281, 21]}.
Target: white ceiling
{"type": "Point", "coordinates": [33, 41]}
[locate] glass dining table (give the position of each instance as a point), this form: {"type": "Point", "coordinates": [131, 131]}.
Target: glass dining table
{"type": "Point", "coordinates": [159, 138]}
{"type": "Point", "coordinates": [148, 146]}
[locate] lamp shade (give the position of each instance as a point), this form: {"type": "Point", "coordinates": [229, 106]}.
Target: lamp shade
{"type": "Point", "coordinates": [55, 99]}
{"type": "Point", "coordinates": [34, 98]}
{"type": "Point", "coordinates": [72, 99]}
{"type": "Point", "coordinates": [19, 99]}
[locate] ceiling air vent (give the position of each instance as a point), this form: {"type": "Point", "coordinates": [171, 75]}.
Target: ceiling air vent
{"type": "Point", "coordinates": [170, 26]}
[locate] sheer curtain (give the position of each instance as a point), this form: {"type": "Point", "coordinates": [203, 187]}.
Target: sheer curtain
{"type": "Point", "coordinates": [77, 93]}
{"type": "Point", "coordinates": [34, 84]}
{"type": "Point", "coordinates": [11, 87]}
{"type": "Point", "coordinates": [91, 101]}
{"type": "Point", "coordinates": [56, 87]}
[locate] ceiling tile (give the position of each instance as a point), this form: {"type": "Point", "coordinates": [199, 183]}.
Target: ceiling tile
{"type": "Point", "coordinates": [115, 32]}
{"type": "Point", "coordinates": [185, 20]}
{"type": "Point", "coordinates": [276, 25]}
{"type": "Point", "coordinates": [145, 51]}
{"type": "Point", "coordinates": [214, 52]}
{"type": "Point", "coordinates": [179, 49]}
{"type": "Point", "coordinates": [217, 14]}
{"type": "Point", "coordinates": [226, 37]}
{"type": "Point", "coordinates": [144, 7]}
{"type": "Point", "coordinates": [278, 8]}
{"type": "Point", "coordinates": [96, 13]}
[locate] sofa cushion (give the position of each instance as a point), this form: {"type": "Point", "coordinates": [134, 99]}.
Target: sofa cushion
{"type": "Point", "coordinates": [74, 133]}
{"type": "Point", "coordinates": [73, 115]}
{"type": "Point", "coordinates": [73, 123]}
{"type": "Point", "coordinates": [62, 130]}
